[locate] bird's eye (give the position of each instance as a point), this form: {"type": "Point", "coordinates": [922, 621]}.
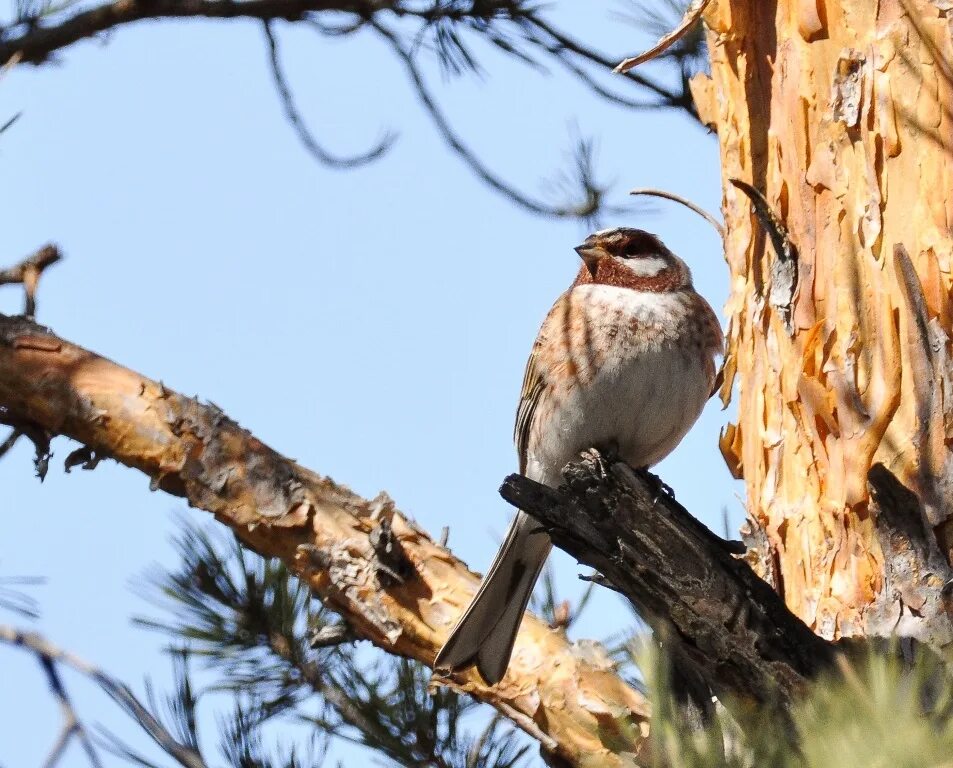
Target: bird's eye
{"type": "Point", "coordinates": [641, 244]}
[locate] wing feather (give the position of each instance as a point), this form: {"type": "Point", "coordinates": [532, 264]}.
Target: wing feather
{"type": "Point", "coordinates": [534, 384]}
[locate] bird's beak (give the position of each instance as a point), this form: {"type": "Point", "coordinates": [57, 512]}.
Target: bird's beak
{"type": "Point", "coordinates": [591, 254]}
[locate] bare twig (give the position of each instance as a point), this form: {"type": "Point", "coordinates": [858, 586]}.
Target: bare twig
{"type": "Point", "coordinates": [692, 15]}
{"type": "Point", "coordinates": [27, 273]}
{"type": "Point", "coordinates": [72, 727]}
{"type": "Point", "coordinates": [583, 209]}
{"type": "Point", "coordinates": [668, 96]}
{"type": "Point", "coordinates": [10, 120]}
{"type": "Point", "coordinates": [686, 202]}
{"type": "Point", "coordinates": [9, 442]}
{"type": "Point", "coordinates": [10, 63]}
{"type": "Point", "coordinates": [50, 656]}
{"type": "Point", "coordinates": [513, 26]}
{"type": "Point", "coordinates": [598, 89]}
{"type": "Point", "coordinates": [36, 43]}
{"type": "Point", "coordinates": [15, 600]}
{"type": "Point", "coordinates": [305, 136]}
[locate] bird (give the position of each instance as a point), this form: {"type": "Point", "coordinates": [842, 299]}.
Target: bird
{"type": "Point", "coordinates": [626, 358]}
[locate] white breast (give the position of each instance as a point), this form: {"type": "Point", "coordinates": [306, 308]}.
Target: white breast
{"type": "Point", "coordinates": [643, 393]}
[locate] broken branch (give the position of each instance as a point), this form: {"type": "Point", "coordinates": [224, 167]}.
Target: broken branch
{"type": "Point", "coordinates": [692, 14]}
{"type": "Point", "coordinates": [27, 273]}
{"type": "Point", "coordinates": [711, 610]}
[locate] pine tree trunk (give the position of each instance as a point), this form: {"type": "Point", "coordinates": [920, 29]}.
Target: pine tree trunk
{"type": "Point", "coordinates": [841, 113]}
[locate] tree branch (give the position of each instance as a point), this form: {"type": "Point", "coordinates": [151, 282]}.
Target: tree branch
{"type": "Point", "coordinates": [9, 441]}
{"type": "Point", "coordinates": [585, 208]}
{"type": "Point", "coordinates": [36, 43]}
{"type": "Point", "coordinates": [50, 656]}
{"type": "Point", "coordinates": [669, 97]}
{"type": "Point", "coordinates": [445, 27]}
{"type": "Point", "coordinates": [321, 530]}
{"type": "Point", "coordinates": [72, 726]}
{"type": "Point", "coordinates": [305, 136]}
{"type": "Point", "coordinates": [711, 609]}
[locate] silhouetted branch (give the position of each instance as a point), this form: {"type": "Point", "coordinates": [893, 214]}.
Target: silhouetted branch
{"type": "Point", "coordinates": [297, 121]}
{"type": "Point", "coordinates": [447, 27]}
{"type": "Point", "coordinates": [260, 632]}
{"type": "Point", "coordinates": [599, 90]}
{"type": "Point", "coordinates": [9, 441]}
{"type": "Point", "coordinates": [15, 600]}
{"type": "Point", "coordinates": [585, 209]}
{"type": "Point", "coordinates": [669, 98]}
{"type": "Point", "coordinates": [35, 42]}
{"type": "Point", "coordinates": [10, 121]}
{"type": "Point", "coordinates": [50, 656]}
{"type": "Point", "coordinates": [72, 727]}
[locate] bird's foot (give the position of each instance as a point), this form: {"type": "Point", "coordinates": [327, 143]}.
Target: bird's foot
{"type": "Point", "coordinates": [659, 487]}
{"type": "Point", "coordinates": [606, 455]}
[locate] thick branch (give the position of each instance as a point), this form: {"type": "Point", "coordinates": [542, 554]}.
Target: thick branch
{"type": "Point", "coordinates": [401, 590]}
{"type": "Point", "coordinates": [36, 43]}
{"type": "Point", "coordinates": [710, 607]}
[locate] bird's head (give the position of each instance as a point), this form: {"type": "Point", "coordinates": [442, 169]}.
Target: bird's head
{"type": "Point", "coordinates": [631, 258]}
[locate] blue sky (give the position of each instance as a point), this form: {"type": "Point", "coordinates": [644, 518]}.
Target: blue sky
{"type": "Point", "coordinates": [373, 324]}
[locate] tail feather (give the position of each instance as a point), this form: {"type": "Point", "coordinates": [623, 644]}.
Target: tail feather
{"type": "Point", "coordinates": [487, 631]}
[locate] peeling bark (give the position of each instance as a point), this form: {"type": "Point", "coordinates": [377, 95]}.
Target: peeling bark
{"type": "Point", "coordinates": [390, 581]}
{"type": "Point", "coordinates": [841, 114]}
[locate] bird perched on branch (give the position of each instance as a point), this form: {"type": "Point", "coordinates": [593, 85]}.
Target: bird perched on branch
{"type": "Point", "coordinates": [626, 357]}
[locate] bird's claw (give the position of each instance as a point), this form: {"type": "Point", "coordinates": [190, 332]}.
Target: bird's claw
{"type": "Point", "coordinates": [665, 488]}
{"type": "Point", "coordinates": [659, 487]}
{"type": "Point", "coordinates": [605, 455]}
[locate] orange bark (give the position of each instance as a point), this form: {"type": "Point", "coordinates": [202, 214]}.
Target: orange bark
{"type": "Point", "coordinates": [839, 111]}
{"type": "Point", "coordinates": [573, 703]}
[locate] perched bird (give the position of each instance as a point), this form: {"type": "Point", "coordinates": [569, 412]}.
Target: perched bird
{"type": "Point", "coordinates": [626, 357]}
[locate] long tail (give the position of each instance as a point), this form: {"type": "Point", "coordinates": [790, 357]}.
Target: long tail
{"type": "Point", "coordinates": [487, 631]}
